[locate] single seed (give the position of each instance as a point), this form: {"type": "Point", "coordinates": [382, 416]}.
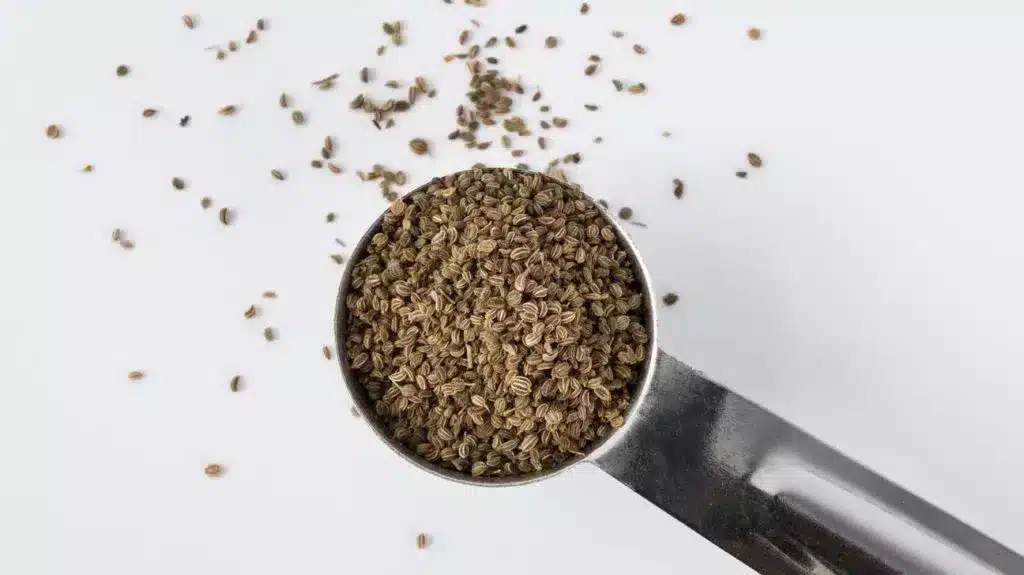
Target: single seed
{"type": "Point", "coordinates": [639, 49]}
{"type": "Point", "coordinates": [364, 75]}
{"type": "Point", "coordinates": [741, 174]}
{"type": "Point", "coordinates": [148, 113]}
{"type": "Point", "coordinates": [589, 70]}
{"type": "Point", "coordinates": [269, 334]}
{"type": "Point", "coordinates": [666, 134]}
{"type": "Point", "coordinates": [545, 109]}
{"type": "Point", "coordinates": [670, 298]}
{"type": "Point", "coordinates": [270, 295]}
{"type": "Point", "coordinates": [327, 352]}
{"type": "Point", "coordinates": [213, 470]}
{"type": "Point", "coordinates": [626, 213]}
{"type": "Point", "coordinates": [183, 122]}
{"type": "Point", "coordinates": [584, 8]}
{"type": "Point", "coordinates": [261, 24]}
{"type": "Point", "coordinates": [618, 33]}
{"type": "Point", "coordinates": [421, 541]}
{"type": "Point", "coordinates": [354, 411]}
{"type": "Point", "coordinates": [236, 383]}
{"type": "Point", "coordinates": [205, 203]}
{"type": "Point", "coordinates": [551, 42]}
{"type": "Point", "coordinates": [283, 100]}
{"type": "Point", "coordinates": [88, 168]}
{"type": "Point", "coordinates": [298, 118]}
{"type": "Point", "coordinates": [419, 146]}
{"type": "Point", "coordinates": [617, 84]}
{"type": "Point", "coordinates": [754, 159]}
{"type": "Point", "coordinates": [598, 140]}
{"type": "Point", "coordinates": [483, 145]}
{"type": "Point", "coordinates": [463, 37]}
{"type": "Point", "coordinates": [115, 236]}
{"type": "Point", "coordinates": [492, 60]}
{"type": "Point", "coordinates": [754, 33]}
{"type": "Point", "coordinates": [334, 168]}
{"type": "Point", "coordinates": [559, 122]}
{"type": "Point", "coordinates": [340, 242]}
{"type": "Point", "coordinates": [545, 125]}
{"type": "Point", "coordinates": [178, 183]}
{"type": "Point", "coordinates": [189, 21]}
{"type": "Point", "coordinates": [228, 110]}
{"type": "Point", "coordinates": [136, 375]}
{"type": "Point", "coordinates": [122, 70]}
{"type": "Point", "coordinates": [278, 175]}
{"type": "Point", "coordinates": [127, 244]}
{"type": "Point", "coordinates": [226, 216]}
{"type": "Point", "coordinates": [381, 49]}
{"type": "Point", "coordinates": [491, 42]}
{"type": "Point", "coordinates": [594, 58]}
{"type": "Point", "coordinates": [326, 80]}
{"type": "Point", "coordinates": [53, 131]}
{"type": "Point", "coordinates": [591, 107]}
{"type": "Point", "coordinates": [233, 46]}
{"type": "Point", "coordinates": [331, 217]}
{"type": "Point", "coordinates": [338, 258]}
{"type": "Point", "coordinates": [638, 88]}
{"type": "Point", "coordinates": [326, 154]}
{"type": "Point", "coordinates": [221, 55]}
{"type": "Point", "coordinates": [250, 312]}
{"type": "Point", "coordinates": [520, 29]}
{"type": "Point", "coordinates": [678, 20]}
{"type": "Point", "coordinates": [518, 153]}
{"type": "Point", "coordinates": [510, 42]}
{"type": "Point", "coordinates": [677, 188]}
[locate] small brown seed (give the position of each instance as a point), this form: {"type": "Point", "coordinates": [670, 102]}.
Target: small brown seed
{"type": "Point", "coordinates": [421, 541]}
{"type": "Point", "coordinates": [213, 470]}
{"type": "Point", "coordinates": [463, 37]}
{"type": "Point", "coordinates": [178, 183]}
{"type": "Point", "coordinates": [754, 33]}
{"type": "Point", "coordinates": [626, 213]}
{"type": "Point", "coordinates": [327, 352]}
{"type": "Point", "coordinates": [678, 20]}
{"type": "Point", "coordinates": [53, 131]}
{"type": "Point", "coordinates": [136, 375]}
{"type": "Point", "coordinates": [364, 75]}
{"type": "Point", "coordinates": [419, 146]}
{"type": "Point", "coordinates": [589, 70]}
{"type": "Point", "coordinates": [228, 110]}
{"type": "Point", "coordinates": [127, 244]}
{"type": "Point", "coordinates": [670, 298]}
{"type": "Point", "coordinates": [233, 46]}
{"type": "Point", "coordinates": [316, 164]}
{"type": "Point", "coordinates": [269, 334]}
{"type": "Point", "coordinates": [551, 42]}
{"type": "Point", "coordinates": [283, 100]}
{"type": "Point", "coordinates": [334, 168]}
{"type": "Point", "coordinates": [326, 153]}
{"type": "Point", "coordinates": [250, 313]}
{"type": "Point", "coordinates": [226, 216]}
{"type": "Point", "coordinates": [189, 21]}
{"type": "Point", "coordinates": [236, 383]}
{"type": "Point", "coordinates": [148, 113]}
{"type": "Point", "coordinates": [639, 49]}
{"type": "Point", "coordinates": [754, 159]}
{"type": "Point", "coordinates": [510, 42]}
{"type": "Point", "coordinates": [338, 258]}
{"type": "Point", "coordinates": [88, 168]}
{"type": "Point", "coordinates": [298, 118]}
{"type": "Point", "coordinates": [252, 37]}
{"type": "Point", "coordinates": [270, 295]}
{"type": "Point", "coordinates": [122, 71]}
{"type": "Point", "coordinates": [584, 8]}
{"type": "Point", "coordinates": [205, 203]}
{"type": "Point", "coordinates": [278, 175]}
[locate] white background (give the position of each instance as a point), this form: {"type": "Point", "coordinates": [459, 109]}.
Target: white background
{"type": "Point", "coordinates": [866, 283]}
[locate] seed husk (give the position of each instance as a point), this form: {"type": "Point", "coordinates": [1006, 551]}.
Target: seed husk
{"type": "Point", "coordinates": [584, 8]}
{"type": "Point", "coordinates": [626, 213]}
{"type": "Point", "coordinates": [298, 118]}
{"type": "Point", "coordinates": [670, 298]}
{"type": "Point", "coordinates": [754, 160]}
{"type": "Point", "coordinates": [269, 333]}
{"type": "Point", "coordinates": [521, 28]}
{"type": "Point", "coordinates": [270, 295]}
{"type": "Point", "coordinates": [754, 33]}
{"type": "Point", "coordinates": [419, 146]}
{"type": "Point", "coordinates": [678, 19]}
{"type": "Point", "coordinates": [228, 110]}
{"type": "Point", "coordinates": [183, 122]}
{"type": "Point", "coordinates": [136, 375]}
{"type": "Point", "coordinates": [551, 42]}
{"type": "Point", "coordinates": [53, 131]}
{"type": "Point", "coordinates": [327, 352]}
{"type": "Point", "coordinates": [250, 312]}
{"type": "Point", "coordinates": [236, 383]}
{"type": "Point", "coordinates": [278, 175]}
{"type": "Point", "coordinates": [639, 49]}
{"type": "Point", "coordinates": [213, 470]}
{"type": "Point", "coordinates": [421, 541]}
{"type": "Point", "coordinates": [283, 100]}
{"type": "Point", "coordinates": [226, 216]}
{"type": "Point", "coordinates": [122, 70]}
{"type": "Point", "coordinates": [677, 188]}
{"type": "Point", "coordinates": [178, 183]}
{"type": "Point", "coordinates": [189, 21]}
{"type": "Point", "coordinates": [205, 203]}
{"type": "Point", "coordinates": [148, 113]}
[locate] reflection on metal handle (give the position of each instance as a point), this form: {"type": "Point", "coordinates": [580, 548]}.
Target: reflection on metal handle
{"type": "Point", "coordinates": [777, 498]}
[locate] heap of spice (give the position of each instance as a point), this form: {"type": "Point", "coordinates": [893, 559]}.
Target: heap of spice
{"type": "Point", "coordinates": [496, 323]}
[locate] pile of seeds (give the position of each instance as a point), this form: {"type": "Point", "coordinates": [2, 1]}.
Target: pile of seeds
{"type": "Point", "coordinates": [496, 323]}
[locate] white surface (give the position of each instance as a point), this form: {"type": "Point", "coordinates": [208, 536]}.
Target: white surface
{"type": "Point", "coordinates": [866, 283]}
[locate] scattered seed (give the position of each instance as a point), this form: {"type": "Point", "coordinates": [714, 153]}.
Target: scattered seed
{"type": "Point", "coordinates": [491, 42]}
{"type": "Point", "coordinates": [122, 71]}
{"type": "Point", "coordinates": [326, 154]}
{"type": "Point", "coordinates": [559, 122]}
{"type": "Point", "coordinates": [741, 174]}
{"type": "Point", "coordinates": [278, 175]}
{"type": "Point", "coordinates": [639, 49]}
{"type": "Point", "coordinates": [53, 131]}
{"type": "Point", "coordinates": [545, 109]}
{"type": "Point", "coordinates": [421, 541]}
{"type": "Point", "coordinates": [542, 143]}
{"type": "Point", "coordinates": [213, 470]}
{"type": "Point", "coordinates": [334, 168]}
{"type": "Point", "coordinates": [189, 21]}
{"type": "Point", "coordinates": [364, 75]}
{"type": "Point", "coordinates": [88, 168]}
{"type": "Point", "coordinates": [754, 33]}
{"type": "Point", "coordinates": [325, 80]}
{"type": "Point", "coordinates": [670, 298]}
{"type": "Point", "coordinates": [678, 20]}
{"type": "Point", "coordinates": [236, 383]}
{"type": "Point", "coordinates": [127, 244]}
{"type": "Point", "coordinates": [638, 88]}
{"type": "Point", "coordinates": [115, 236]}
{"type": "Point", "coordinates": [589, 70]}
{"type": "Point", "coordinates": [148, 113]}
{"type": "Point", "coordinates": [381, 49]}
{"type": "Point", "coordinates": [618, 33]}
{"type": "Point", "coordinates": [228, 110]}
{"type": "Point", "coordinates": [626, 213]}
{"type": "Point", "coordinates": [331, 217]}
{"type": "Point", "coordinates": [298, 118]}
{"type": "Point", "coordinates": [261, 24]}
{"type": "Point", "coordinates": [544, 124]}
{"type": "Point", "coordinates": [316, 164]}
{"type": "Point", "coordinates": [520, 29]}
{"type": "Point", "coordinates": [205, 203]}
{"type": "Point", "coordinates": [754, 159]}
{"type": "Point", "coordinates": [233, 46]}
{"type": "Point", "coordinates": [666, 134]}
{"type": "Point", "coordinates": [226, 216]}
{"type": "Point", "coordinates": [511, 43]}
{"type": "Point", "coordinates": [419, 146]}
{"type": "Point", "coordinates": [269, 333]}
{"type": "Point", "coordinates": [250, 312]}
{"type": "Point", "coordinates": [136, 375]}
{"type": "Point", "coordinates": [221, 55]}
{"type": "Point", "coordinates": [283, 100]}
{"type": "Point", "coordinates": [551, 42]}
{"type": "Point", "coordinates": [270, 295]}
{"type": "Point", "coordinates": [183, 122]}
{"type": "Point", "coordinates": [252, 37]}
{"type": "Point", "coordinates": [617, 84]}
{"type": "Point", "coordinates": [594, 58]}
{"type": "Point", "coordinates": [584, 8]}
{"type": "Point", "coordinates": [677, 187]}
{"type": "Point", "coordinates": [327, 352]}
{"type": "Point", "coordinates": [338, 258]}
{"type": "Point", "coordinates": [178, 183]}
{"type": "Point", "coordinates": [598, 140]}
{"type": "Point", "coordinates": [591, 107]}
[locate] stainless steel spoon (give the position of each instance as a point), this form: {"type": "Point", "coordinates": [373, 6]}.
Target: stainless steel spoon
{"type": "Point", "coordinates": [770, 494]}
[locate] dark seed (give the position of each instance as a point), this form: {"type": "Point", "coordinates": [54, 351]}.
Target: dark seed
{"type": "Point", "coordinates": [122, 70]}
{"type": "Point", "coordinates": [325, 153]}
{"type": "Point", "coordinates": [236, 383]}
{"type": "Point", "coordinates": [148, 113]}
{"type": "Point", "coordinates": [626, 213]}
{"type": "Point", "coordinates": [331, 217]}
{"type": "Point", "coordinates": [115, 236]}
{"type": "Point", "coordinates": [639, 49]}
{"type": "Point", "coordinates": [283, 100]}
{"type": "Point", "coordinates": [278, 175]}
{"type": "Point", "coordinates": [491, 42]}
{"type": "Point", "coordinates": [454, 135]}
{"type": "Point", "coordinates": [521, 29]}
{"type": "Point", "coordinates": [594, 58]}
{"type": "Point", "coordinates": [589, 70]}
{"type": "Point", "coordinates": [584, 8]}
{"type": "Point", "coordinates": [381, 49]}
{"type": "Point", "coordinates": [677, 188]}
{"type": "Point", "coordinates": [364, 75]}
{"type": "Point", "coordinates": [269, 334]}
{"type": "Point", "coordinates": [590, 107]}
{"type": "Point", "coordinates": [741, 174]}
{"type": "Point", "coordinates": [617, 84]}
{"type": "Point", "coordinates": [670, 298]}
{"type": "Point", "coordinates": [183, 122]}
{"type": "Point", "coordinates": [226, 216]}
{"type": "Point", "coordinates": [338, 259]}
{"type": "Point", "coordinates": [542, 143]}
{"type": "Point", "coordinates": [678, 19]}
{"type": "Point", "coordinates": [261, 24]}
{"type": "Point", "coordinates": [618, 33]}
{"type": "Point", "coordinates": [178, 183]}
{"type": "Point", "coordinates": [754, 159]}
{"type": "Point", "coordinates": [492, 60]}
